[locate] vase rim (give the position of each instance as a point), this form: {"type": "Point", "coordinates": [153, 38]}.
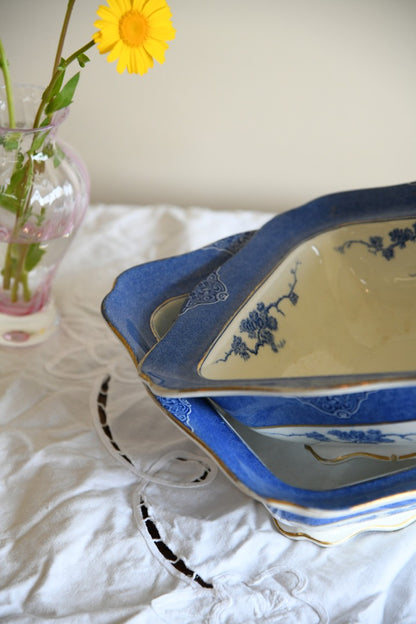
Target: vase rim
{"type": "Point", "coordinates": [57, 118]}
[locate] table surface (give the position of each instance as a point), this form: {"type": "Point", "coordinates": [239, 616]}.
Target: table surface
{"type": "Point", "coordinates": [109, 514]}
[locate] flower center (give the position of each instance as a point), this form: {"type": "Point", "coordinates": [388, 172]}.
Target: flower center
{"type": "Point", "coordinates": [132, 28]}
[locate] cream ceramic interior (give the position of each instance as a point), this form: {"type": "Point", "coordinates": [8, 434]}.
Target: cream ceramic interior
{"type": "Point", "coordinates": [347, 305]}
{"type": "Point", "coordinates": [163, 317]}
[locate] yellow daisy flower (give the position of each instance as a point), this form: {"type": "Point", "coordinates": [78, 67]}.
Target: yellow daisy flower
{"type": "Point", "coordinates": [134, 32]}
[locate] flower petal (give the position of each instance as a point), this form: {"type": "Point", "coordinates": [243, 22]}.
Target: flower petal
{"type": "Point", "coordinates": [164, 32]}
{"type": "Point", "coordinates": [156, 49]}
{"type": "Point", "coordinates": [123, 60]}
{"type": "Point", "coordinates": [137, 5]}
{"type": "Point", "coordinates": [140, 62]}
{"type": "Point", "coordinates": [115, 52]}
{"type": "Point", "coordinates": [104, 44]}
{"type": "Point", "coordinates": [119, 6]}
{"type": "Point", "coordinates": [151, 6]}
{"type": "Point", "coordinates": [107, 14]}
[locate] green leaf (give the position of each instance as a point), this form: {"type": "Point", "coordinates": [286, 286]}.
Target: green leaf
{"type": "Point", "coordinates": [57, 85]}
{"type": "Point", "coordinates": [33, 256]}
{"type": "Point", "coordinates": [17, 178]}
{"type": "Point", "coordinates": [13, 197]}
{"type": "Point", "coordinates": [10, 141]}
{"type": "Point", "coordinates": [58, 155]}
{"type": "Point", "coordinates": [64, 97]}
{"type": "Point", "coordinates": [82, 59]}
{"type": "Point", "coordinates": [46, 122]}
{"type": "Point", "coordinates": [49, 150]}
{"type": "Point", "coordinates": [10, 203]}
{"type": "Point", "coordinates": [38, 141]}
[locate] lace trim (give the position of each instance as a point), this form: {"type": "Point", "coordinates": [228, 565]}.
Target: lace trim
{"type": "Point", "coordinates": [165, 551]}
{"type": "Point", "coordinates": [149, 523]}
{"type": "Point", "coordinates": [102, 415]}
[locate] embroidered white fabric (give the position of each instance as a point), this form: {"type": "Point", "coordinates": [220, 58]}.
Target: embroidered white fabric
{"type": "Point", "coordinates": [109, 514]}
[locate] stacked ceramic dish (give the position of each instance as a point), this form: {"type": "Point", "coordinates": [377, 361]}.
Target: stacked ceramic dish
{"type": "Point", "coordinates": [289, 355]}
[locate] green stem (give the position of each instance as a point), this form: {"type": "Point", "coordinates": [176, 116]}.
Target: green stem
{"type": "Point", "coordinates": [27, 294]}
{"type": "Point", "coordinates": [4, 65]}
{"type": "Point", "coordinates": [8, 262]}
{"type": "Point", "coordinates": [19, 273]}
{"type": "Point", "coordinates": [63, 35]}
{"type": "Point", "coordinates": [63, 66]}
{"type": "Point", "coordinates": [76, 54]}
{"type": "Point", "coordinates": [15, 275]}
{"type": "Point", "coordinates": [7, 271]}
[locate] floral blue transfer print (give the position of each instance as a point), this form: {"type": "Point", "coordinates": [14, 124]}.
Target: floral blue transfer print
{"type": "Point", "coordinates": [260, 325]}
{"type": "Point", "coordinates": [181, 409]}
{"type": "Point", "coordinates": [371, 436]}
{"type": "Point", "coordinates": [341, 406]}
{"type": "Point", "coordinates": [399, 237]}
{"type": "Point", "coordinates": [209, 291]}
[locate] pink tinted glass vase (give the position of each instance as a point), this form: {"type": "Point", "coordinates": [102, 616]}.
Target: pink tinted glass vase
{"type": "Point", "coordinates": [44, 193]}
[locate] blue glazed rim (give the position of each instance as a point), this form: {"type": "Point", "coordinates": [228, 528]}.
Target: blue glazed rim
{"type": "Point", "coordinates": [155, 282]}
{"type": "Point", "coordinates": [171, 367]}
{"type": "Point", "coordinates": [128, 308]}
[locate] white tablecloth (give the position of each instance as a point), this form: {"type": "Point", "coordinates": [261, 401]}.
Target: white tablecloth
{"type": "Point", "coordinates": [109, 514]}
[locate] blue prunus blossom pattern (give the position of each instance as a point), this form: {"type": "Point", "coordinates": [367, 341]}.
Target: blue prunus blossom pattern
{"type": "Point", "coordinates": [399, 237]}
{"type": "Point", "coordinates": [260, 325]}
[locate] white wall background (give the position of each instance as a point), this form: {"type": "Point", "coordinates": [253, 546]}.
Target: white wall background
{"type": "Point", "coordinates": [261, 104]}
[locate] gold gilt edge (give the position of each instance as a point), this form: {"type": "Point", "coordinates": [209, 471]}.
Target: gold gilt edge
{"type": "Point", "coordinates": [381, 527]}
{"type": "Point", "coordinates": [122, 340]}
{"type": "Point", "coordinates": [346, 456]}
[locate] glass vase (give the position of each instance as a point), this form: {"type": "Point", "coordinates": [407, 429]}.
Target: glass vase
{"type": "Point", "coordinates": [44, 193]}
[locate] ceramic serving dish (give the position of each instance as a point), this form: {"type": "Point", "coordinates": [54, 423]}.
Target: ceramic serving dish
{"type": "Point", "coordinates": [309, 332]}
{"type": "Point", "coordinates": [305, 498]}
